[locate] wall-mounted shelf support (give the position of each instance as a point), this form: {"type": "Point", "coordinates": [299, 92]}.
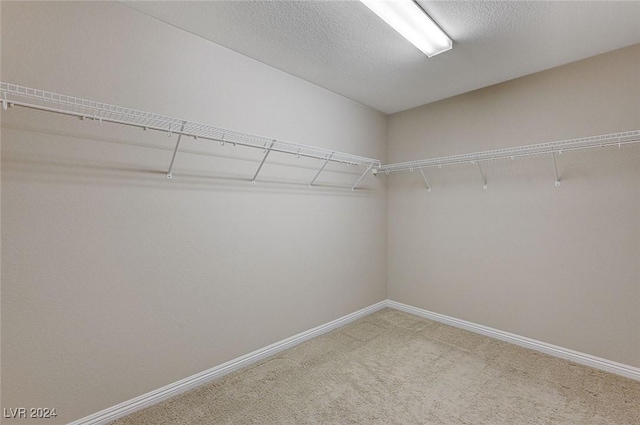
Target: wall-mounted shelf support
{"type": "Point", "coordinates": [175, 151]}
{"type": "Point", "coordinates": [555, 168]}
{"type": "Point", "coordinates": [613, 139]}
{"type": "Point", "coordinates": [87, 110]}
{"type": "Point", "coordinates": [326, 161]}
{"type": "Point", "coordinates": [264, 158]}
{"type": "Point", "coordinates": [482, 175]}
{"type": "Point", "coordinates": [425, 180]}
{"type": "Point", "coordinates": [362, 176]}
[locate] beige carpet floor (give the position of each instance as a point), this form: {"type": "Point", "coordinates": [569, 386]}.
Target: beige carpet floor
{"type": "Point", "coordinates": [395, 368]}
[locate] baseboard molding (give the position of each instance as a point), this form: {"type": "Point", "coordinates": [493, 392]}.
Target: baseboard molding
{"type": "Point", "coordinates": [112, 413]}
{"type": "Point", "coordinates": [156, 396]}
{"type": "Point", "coordinates": [554, 350]}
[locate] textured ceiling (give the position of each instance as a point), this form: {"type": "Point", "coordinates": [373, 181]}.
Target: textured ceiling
{"type": "Point", "coordinates": [342, 46]}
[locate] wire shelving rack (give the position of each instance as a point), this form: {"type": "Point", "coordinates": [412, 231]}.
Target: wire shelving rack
{"type": "Point", "coordinates": [16, 95]}
{"type": "Point", "coordinates": [549, 148]}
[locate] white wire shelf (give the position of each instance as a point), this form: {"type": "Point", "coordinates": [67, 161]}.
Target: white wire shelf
{"type": "Point", "coordinates": [550, 148]}
{"type": "Point", "coordinates": [614, 139]}
{"type": "Point", "coordinates": [15, 95]}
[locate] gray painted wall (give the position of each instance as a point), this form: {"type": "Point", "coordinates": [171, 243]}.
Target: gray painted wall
{"type": "Point", "coordinates": [117, 281]}
{"type": "Point", "coordinates": [557, 264]}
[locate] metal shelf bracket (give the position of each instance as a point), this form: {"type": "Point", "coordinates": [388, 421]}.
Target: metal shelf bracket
{"type": "Point", "coordinates": [555, 168]}
{"type": "Point", "coordinates": [264, 158]}
{"type": "Point", "coordinates": [483, 175]}
{"type": "Point", "coordinates": [175, 151]}
{"type": "Point", "coordinates": [425, 180]}
{"type": "Point", "coordinates": [326, 161]}
{"type": "Point", "coordinates": [362, 176]}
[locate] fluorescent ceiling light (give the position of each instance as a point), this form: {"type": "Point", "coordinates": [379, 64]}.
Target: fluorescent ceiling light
{"type": "Point", "coordinates": [408, 18]}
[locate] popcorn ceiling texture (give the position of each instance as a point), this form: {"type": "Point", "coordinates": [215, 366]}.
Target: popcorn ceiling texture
{"type": "Point", "coordinates": [344, 47]}
{"type": "Point", "coordinates": [396, 368]}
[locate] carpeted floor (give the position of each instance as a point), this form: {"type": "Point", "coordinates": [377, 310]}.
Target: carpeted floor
{"type": "Point", "coordinates": [395, 368]}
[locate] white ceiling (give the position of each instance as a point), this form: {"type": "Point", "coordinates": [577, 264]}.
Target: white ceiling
{"type": "Point", "coordinates": [342, 46]}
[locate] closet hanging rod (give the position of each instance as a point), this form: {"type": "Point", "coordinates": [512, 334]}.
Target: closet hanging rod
{"type": "Point", "coordinates": [15, 95]}
{"type": "Point", "coordinates": [613, 139]}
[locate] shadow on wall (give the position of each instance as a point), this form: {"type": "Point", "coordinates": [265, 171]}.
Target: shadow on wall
{"type": "Point", "coordinates": [231, 172]}
{"type": "Point", "coordinates": [526, 172]}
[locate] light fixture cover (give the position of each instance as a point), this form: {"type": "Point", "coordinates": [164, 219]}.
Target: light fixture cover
{"type": "Point", "coordinates": [408, 18]}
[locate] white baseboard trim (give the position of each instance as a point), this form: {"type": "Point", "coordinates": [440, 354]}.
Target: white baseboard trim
{"type": "Point", "coordinates": [554, 350]}
{"type": "Point", "coordinates": [112, 413]}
